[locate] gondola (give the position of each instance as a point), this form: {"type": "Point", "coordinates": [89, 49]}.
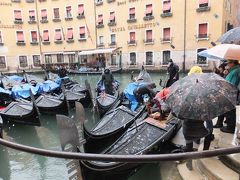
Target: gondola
{"type": "Point", "coordinates": [94, 72]}
{"type": "Point", "coordinates": [105, 101]}
{"type": "Point", "coordinates": [110, 127]}
{"type": "Point", "coordinates": [21, 112]}
{"type": "Point", "coordinates": [144, 137]}
{"type": "Point", "coordinates": [1, 127]}
{"type": "Point", "coordinates": [51, 104]}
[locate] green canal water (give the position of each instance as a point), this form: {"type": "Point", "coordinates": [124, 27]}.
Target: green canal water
{"type": "Point", "coordinates": [17, 165]}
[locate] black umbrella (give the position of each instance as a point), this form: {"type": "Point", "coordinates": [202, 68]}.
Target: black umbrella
{"type": "Point", "coordinates": [231, 37]}
{"type": "Point", "coordinates": [201, 97]}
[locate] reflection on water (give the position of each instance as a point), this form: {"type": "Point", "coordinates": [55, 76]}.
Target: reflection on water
{"type": "Point", "coordinates": [19, 165]}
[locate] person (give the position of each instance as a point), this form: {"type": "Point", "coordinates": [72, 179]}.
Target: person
{"type": "Point", "coordinates": [144, 89]}
{"type": "Point", "coordinates": [62, 72]}
{"type": "Point", "coordinates": [108, 79]}
{"type": "Point", "coordinates": [173, 71]}
{"type": "Point", "coordinates": [233, 77]}
{"type": "Point", "coordinates": [196, 70]}
{"type": "Point", "coordinates": [159, 100]}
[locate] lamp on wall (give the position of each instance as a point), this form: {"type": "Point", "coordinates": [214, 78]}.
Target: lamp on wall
{"type": "Point", "coordinates": [213, 43]}
{"type": "Point", "coordinates": [172, 46]}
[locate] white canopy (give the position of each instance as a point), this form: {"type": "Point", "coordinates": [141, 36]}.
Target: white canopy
{"type": "Point", "coordinates": [97, 51]}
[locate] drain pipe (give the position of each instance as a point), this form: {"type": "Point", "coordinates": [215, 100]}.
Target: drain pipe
{"type": "Point", "coordinates": [184, 36]}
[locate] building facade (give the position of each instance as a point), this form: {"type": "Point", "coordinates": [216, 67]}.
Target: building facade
{"type": "Point", "coordinates": [130, 33]}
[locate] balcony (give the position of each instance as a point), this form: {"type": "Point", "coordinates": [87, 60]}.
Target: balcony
{"type": "Point", "coordinates": [56, 20]}
{"type": "Point", "coordinates": [100, 26]}
{"type": "Point", "coordinates": [44, 21]}
{"type": "Point", "coordinates": [132, 43]}
{"type": "Point", "coordinates": [70, 40]}
{"type": "Point", "coordinates": [34, 43]}
{"type": "Point", "coordinates": [113, 23]}
{"type": "Point", "coordinates": [32, 22]}
{"type": "Point", "coordinates": [99, 3]}
{"type": "Point", "coordinates": [166, 40]}
{"type": "Point", "coordinates": [148, 41]}
{"type": "Point", "coordinates": [82, 39]}
{"type": "Point", "coordinates": [202, 37]}
{"type": "Point", "coordinates": [68, 18]}
{"type": "Point", "coordinates": [16, 1]}
{"type": "Point", "coordinates": [148, 17]}
{"type": "Point", "coordinates": [133, 20]}
{"type": "Point", "coordinates": [81, 16]}
{"type": "Point", "coordinates": [1, 44]}
{"type": "Point", "coordinates": [46, 42]}
{"type": "Point", "coordinates": [58, 41]}
{"type": "Point", "coordinates": [166, 14]}
{"type": "Point", "coordinates": [20, 43]}
{"type": "Point", "coordinates": [100, 45]}
{"type": "Point", "coordinates": [110, 1]}
{"type": "Point", "coordinates": [203, 9]}
{"type": "Point", "coordinates": [112, 44]}
{"type": "Point", "coordinates": [29, 1]}
{"type": "Point", "coordinates": [18, 21]}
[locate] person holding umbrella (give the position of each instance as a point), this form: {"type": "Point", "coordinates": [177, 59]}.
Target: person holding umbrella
{"type": "Point", "coordinates": [233, 77]}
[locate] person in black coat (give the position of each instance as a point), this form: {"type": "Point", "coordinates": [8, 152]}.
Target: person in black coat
{"type": "Point", "coordinates": [173, 72]}
{"type": "Point", "coordinates": [107, 79]}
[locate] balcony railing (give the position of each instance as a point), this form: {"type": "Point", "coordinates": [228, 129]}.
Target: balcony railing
{"type": "Point", "coordinates": [29, 1]}
{"type": "Point", "coordinates": [34, 43]}
{"type": "Point", "coordinates": [15, 0]}
{"type": "Point", "coordinates": [201, 37]}
{"type": "Point", "coordinates": [166, 14]}
{"type": "Point", "coordinates": [20, 43]}
{"type": "Point", "coordinates": [44, 21]}
{"type": "Point", "coordinates": [70, 40]}
{"type": "Point", "coordinates": [56, 19]}
{"type": "Point", "coordinates": [18, 21]}
{"type": "Point", "coordinates": [68, 18]}
{"type": "Point", "coordinates": [203, 9]}
{"type": "Point", "coordinates": [112, 44]}
{"type": "Point", "coordinates": [99, 3]}
{"type": "Point", "coordinates": [113, 23]}
{"type": "Point", "coordinates": [148, 17]}
{"type": "Point", "coordinates": [46, 42]}
{"type": "Point", "coordinates": [32, 22]}
{"type": "Point", "coordinates": [133, 20]}
{"type": "Point", "coordinates": [166, 40]}
{"type": "Point", "coordinates": [80, 16]}
{"type": "Point", "coordinates": [58, 41]}
{"type": "Point", "coordinates": [100, 26]}
{"type": "Point", "coordinates": [100, 45]}
{"type": "Point", "coordinates": [110, 1]}
{"type": "Point", "coordinates": [132, 43]}
{"type": "Point", "coordinates": [1, 43]}
{"type": "Point", "coordinates": [81, 39]}
{"type": "Point", "coordinates": [148, 41]}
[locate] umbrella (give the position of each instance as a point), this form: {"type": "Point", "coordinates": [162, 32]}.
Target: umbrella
{"type": "Point", "coordinates": [206, 54]}
{"type": "Point", "coordinates": [231, 37]}
{"type": "Point", "coordinates": [222, 51]}
{"type": "Point", "coordinates": [201, 97]}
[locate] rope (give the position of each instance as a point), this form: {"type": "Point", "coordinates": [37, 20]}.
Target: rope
{"type": "Point", "coordinates": [121, 158]}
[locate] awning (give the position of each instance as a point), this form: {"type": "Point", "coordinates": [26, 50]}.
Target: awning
{"type": "Point", "coordinates": [98, 51]}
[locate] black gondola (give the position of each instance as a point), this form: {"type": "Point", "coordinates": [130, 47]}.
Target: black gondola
{"type": "Point", "coordinates": [144, 137]}
{"type": "Point", "coordinates": [113, 70]}
{"type": "Point", "coordinates": [1, 127]}
{"type": "Point", "coordinates": [52, 104]}
{"type": "Point", "coordinates": [110, 127]}
{"type": "Point", "coordinates": [21, 112]}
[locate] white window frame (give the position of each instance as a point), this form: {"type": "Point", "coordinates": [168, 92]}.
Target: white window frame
{"type": "Point", "coordinates": [206, 6]}
{"type": "Point", "coordinates": [162, 56]}
{"type": "Point", "coordinates": [46, 12]}
{"type": "Point", "coordinates": [111, 38]}
{"type": "Point", "coordinates": [37, 35]}
{"type": "Point", "coordinates": [170, 5]}
{"type": "Point", "coordinates": [48, 35]}
{"type": "Point", "coordinates": [14, 14]}
{"type": "Point", "coordinates": [145, 58]}
{"type": "Point", "coordinates": [129, 12]}
{"type": "Point", "coordinates": [55, 34]}
{"type": "Point", "coordinates": [85, 27]}
{"type": "Point", "coordinates": [1, 35]}
{"type": "Point", "coordinates": [130, 58]}
{"type": "Point", "coordinates": [72, 32]}
{"type": "Point", "coordinates": [17, 37]}
{"type": "Point", "coordinates": [83, 8]}
{"type": "Point", "coordinates": [66, 12]}
{"type": "Point", "coordinates": [99, 42]}
{"type": "Point", "coordinates": [196, 63]}
{"type": "Point", "coordinates": [207, 31]}
{"type": "Point", "coordinates": [5, 58]}
{"type": "Point", "coordinates": [58, 12]}
{"type": "Point", "coordinates": [20, 63]}
{"type": "Point", "coordinates": [33, 61]}
{"type": "Point", "coordinates": [34, 14]}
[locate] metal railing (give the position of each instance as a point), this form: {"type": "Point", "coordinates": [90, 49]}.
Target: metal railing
{"type": "Point", "coordinates": [122, 158]}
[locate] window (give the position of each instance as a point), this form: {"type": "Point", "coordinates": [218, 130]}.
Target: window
{"type": "Point", "coordinates": [23, 61]}
{"type": "Point", "coordinates": [36, 60]}
{"type": "Point", "coordinates": [148, 11]}
{"type": "Point", "coordinates": [113, 38]}
{"type": "Point", "coordinates": [34, 37]}
{"type": "Point", "coordinates": [202, 30]}
{"type": "Point", "coordinates": [112, 17]}
{"type": "Point", "coordinates": [149, 58]}
{"type": "Point", "coordinates": [203, 3]}
{"type": "Point", "coordinates": [69, 11]}
{"type": "Point", "coordinates": [58, 35]}
{"type": "Point", "coordinates": [71, 58]}
{"type": "Point", "coordinates": [101, 40]}
{"type": "Point", "coordinates": [201, 59]}
{"type": "Point", "coordinates": [166, 6]}
{"type": "Point", "coordinates": [166, 57]}
{"type": "Point", "coordinates": [166, 34]}
{"type": "Point", "coordinates": [17, 15]}
{"type": "Point", "coordinates": [132, 13]}
{"type": "Point", "coordinates": [20, 36]}
{"type": "Point", "coordinates": [60, 58]}
{"type": "Point", "coordinates": [32, 15]}
{"type": "Point", "coordinates": [133, 59]}
{"type": "Point", "coordinates": [69, 33]}
{"type": "Point", "coordinates": [45, 36]}
{"type": "Point", "coordinates": [48, 59]}
{"type": "Point", "coordinates": [56, 14]}
{"type": "Point", "coordinates": [80, 9]}
{"type": "Point", "coordinates": [1, 39]}
{"type": "Point", "coordinates": [82, 32]}
{"type": "Point", "coordinates": [44, 14]}
{"type": "Point", "coordinates": [100, 19]}
{"type": "Point", "coordinates": [149, 36]}
{"type": "Point", "coordinates": [132, 37]}
{"type": "Point", "coordinates": [113, 60]}
{"type": "Point", "coordinates": [2, 62]}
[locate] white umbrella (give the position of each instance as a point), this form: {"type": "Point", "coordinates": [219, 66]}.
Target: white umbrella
{"type": "Point", "coordinates": [231, 37]}
{"type": "Point", "coordinates": [222, 51]}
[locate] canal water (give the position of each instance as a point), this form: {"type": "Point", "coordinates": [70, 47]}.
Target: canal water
{"type": "Point", "coordinates": [17, 165]}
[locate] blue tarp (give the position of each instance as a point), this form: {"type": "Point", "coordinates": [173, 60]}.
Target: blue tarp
{"type": "Point", "coordinates": [22, 91]}
{"type": "Point", "coordinates": [5, 91]}
{"type": "Point", "coordinates": [15, 78]}
{"type": "Point", "coordinates": [48, 86]}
